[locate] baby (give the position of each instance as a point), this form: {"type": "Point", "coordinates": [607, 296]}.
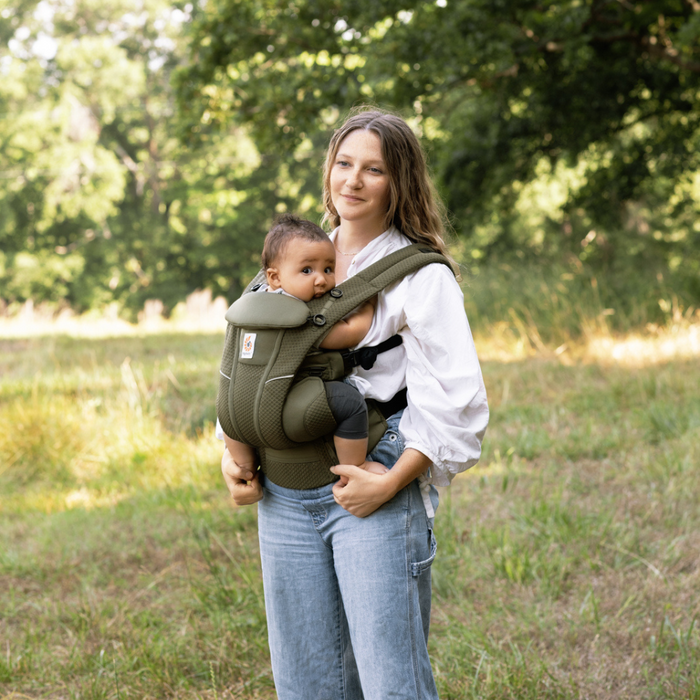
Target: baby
{"type": "Point", "coordinates": [299, 260]}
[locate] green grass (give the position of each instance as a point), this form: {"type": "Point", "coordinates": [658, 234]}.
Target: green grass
{"type": "Point", "coordinates": [552, 302]}
{"type": "Point", "coordinates": [567, 562]}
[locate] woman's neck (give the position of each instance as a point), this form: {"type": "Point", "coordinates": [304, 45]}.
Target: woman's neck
{"type": "Point", "coordinates": [353, 236]}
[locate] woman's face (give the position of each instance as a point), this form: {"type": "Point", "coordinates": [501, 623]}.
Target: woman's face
{"type": "Point", "coordinates": [359, 181]}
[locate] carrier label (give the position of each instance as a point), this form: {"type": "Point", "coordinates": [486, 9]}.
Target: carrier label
{"type": "Point", "coordinates": [248, 346]}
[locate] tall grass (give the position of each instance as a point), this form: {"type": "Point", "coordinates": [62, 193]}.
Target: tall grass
{"type": "Point", "coordinates": [99, 420]}
{"type": "Point", "coordinates": [567, 563]}
{"type": "Point", "coordinates": [554, 303]}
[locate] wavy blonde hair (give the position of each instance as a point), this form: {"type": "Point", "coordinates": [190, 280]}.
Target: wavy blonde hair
{"type": "Point", "coordinates": [415, 208]}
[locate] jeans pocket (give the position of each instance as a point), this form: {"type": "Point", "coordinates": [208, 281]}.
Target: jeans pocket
{"type": "Point", "coordinates": [418, 567]}
{"type": "Point", "coordinates": [388, 450]}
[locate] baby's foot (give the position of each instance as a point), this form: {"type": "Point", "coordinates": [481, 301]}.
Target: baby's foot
{"type": "Point", "coordinates": [374, 467]}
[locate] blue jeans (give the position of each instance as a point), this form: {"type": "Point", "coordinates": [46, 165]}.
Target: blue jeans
{"type": "Point", "coordinates": [347, 598]}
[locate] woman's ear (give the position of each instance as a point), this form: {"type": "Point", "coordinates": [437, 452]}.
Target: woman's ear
{"type": "Point", "coordinates": [273, 277]}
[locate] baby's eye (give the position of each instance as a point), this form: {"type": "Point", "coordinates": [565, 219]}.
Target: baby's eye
{"type": "Point", "coordinates": [307, 270]}
{"type": "Point", "coordinates": [329, 270]}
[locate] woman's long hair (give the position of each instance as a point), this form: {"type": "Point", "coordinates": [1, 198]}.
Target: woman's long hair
{"type": "Point", "coordinates": [415, 208]}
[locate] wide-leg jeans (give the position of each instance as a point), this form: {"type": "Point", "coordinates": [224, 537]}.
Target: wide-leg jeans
{"type": "Point", "coordinates": [347, 598]}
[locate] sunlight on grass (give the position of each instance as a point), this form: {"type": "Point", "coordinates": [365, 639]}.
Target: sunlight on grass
{"type": "Point", "coordinates": [90, 326]}
{"type": "Point", "coordinates": [62, 454]}
{"type": "Point", "coordinates": [679, 340]}
{"type": "Point", "coordinates": [503, 341]}
{"type": "Point", "coordinates": [199, 313]}
{"type": "Point", "coordinates": [77, 436]}
{"type": "Point", "coordinates": [567, 560]}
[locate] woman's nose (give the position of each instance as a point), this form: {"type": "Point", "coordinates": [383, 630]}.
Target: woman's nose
{"type": "Point", "coordinates": [354, 180]}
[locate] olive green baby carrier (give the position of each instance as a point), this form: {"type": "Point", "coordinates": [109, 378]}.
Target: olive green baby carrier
{"type": "Point", "coordinates": [271, 392]}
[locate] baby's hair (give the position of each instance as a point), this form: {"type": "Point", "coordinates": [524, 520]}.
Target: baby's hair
{"type": "Point", "coordinates": [286, 228]}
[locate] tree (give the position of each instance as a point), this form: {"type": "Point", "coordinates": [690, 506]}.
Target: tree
{"type": "Point", "coordinates": [503, 92]}
{"type": "Point", "coordinates": [557, 131]}
{"type": "Point", "coordinates": [99, 199]}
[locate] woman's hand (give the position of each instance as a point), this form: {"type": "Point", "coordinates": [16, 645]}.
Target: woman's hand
{"type": "Point", "coordinates": [360, 491]}
{"type": "Point", "coordinates": [243, 485]}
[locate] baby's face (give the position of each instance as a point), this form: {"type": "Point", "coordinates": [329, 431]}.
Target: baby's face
{"type": "Point", "coordinates": [305, 269]}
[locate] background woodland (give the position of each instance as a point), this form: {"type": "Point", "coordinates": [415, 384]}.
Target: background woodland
{"type": "Point", "coordinates": [146, 146]}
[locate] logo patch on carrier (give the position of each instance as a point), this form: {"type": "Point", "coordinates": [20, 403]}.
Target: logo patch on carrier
{"type": "Point", "coordinates": [248, 346]}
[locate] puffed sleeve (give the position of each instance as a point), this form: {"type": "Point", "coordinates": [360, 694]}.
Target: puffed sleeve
{"type": "Point", "coordinates": [447, 408]}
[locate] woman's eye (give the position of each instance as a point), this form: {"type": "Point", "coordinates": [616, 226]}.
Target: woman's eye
{"type": "Point", "coordinates": [377, 170]}
{"type": "Point", "coordinates": [342, 162]}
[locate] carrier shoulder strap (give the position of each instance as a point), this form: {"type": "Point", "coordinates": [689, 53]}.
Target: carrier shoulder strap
{"type": "Point", "coordinates": [307, 465]}
{"type": "Point", "coordinates": [348, 295]}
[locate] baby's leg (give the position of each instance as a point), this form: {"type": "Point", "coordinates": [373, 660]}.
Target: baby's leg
{"type": "Point", "coordinates": [355, 452]}
{"type": "Point", "coordinates": [350, 451]}
{"type": "Point", "coordinates": [350, 438]}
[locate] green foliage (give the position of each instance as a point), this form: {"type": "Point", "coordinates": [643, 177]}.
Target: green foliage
{"type": "Point", "coordinates": [42, 275]}
{"type": "Point", "coordinates": [99, 201]}
{"type": "Point", "coordinates": [591, 105]}
{"type": "Point", "coordinates": [145, 147]}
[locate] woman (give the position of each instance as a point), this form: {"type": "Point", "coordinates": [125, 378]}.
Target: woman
{"type": "Point", "coordinates": [346, 567]}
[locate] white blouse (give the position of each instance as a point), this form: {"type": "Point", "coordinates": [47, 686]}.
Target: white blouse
{"type": "Point", "coordinates": [447, 409]}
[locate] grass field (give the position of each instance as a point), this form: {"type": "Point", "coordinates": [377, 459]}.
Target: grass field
{"type": "Point", "coordinates": [568, 561]}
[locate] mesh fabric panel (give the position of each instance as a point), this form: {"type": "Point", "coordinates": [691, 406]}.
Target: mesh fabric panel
{"type": "Point", "coordinates": [259, 422]}
{"type": "Point", "coordinates": [244, 387]}
{"type": "Point", "coordinates": [319, 416]}
{"type": "Point", "coordinates": [226, 367]}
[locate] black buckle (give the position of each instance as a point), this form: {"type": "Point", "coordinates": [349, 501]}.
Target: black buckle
{"type": "Point", "coordinates": [366, 357]}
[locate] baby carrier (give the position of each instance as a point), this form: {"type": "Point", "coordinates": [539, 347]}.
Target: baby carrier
{"type": "Point", "coordinates": [271, 394]}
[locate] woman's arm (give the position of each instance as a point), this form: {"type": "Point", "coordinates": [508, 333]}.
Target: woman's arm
{"type": "Point", "coordinates": [242, 481]}
{"type": "Point", "coordinates": [361, 492]}
{"type": "Point", "coordinates": [349, 331]}
{"type": "Point", "coordinates": [447, 409]}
